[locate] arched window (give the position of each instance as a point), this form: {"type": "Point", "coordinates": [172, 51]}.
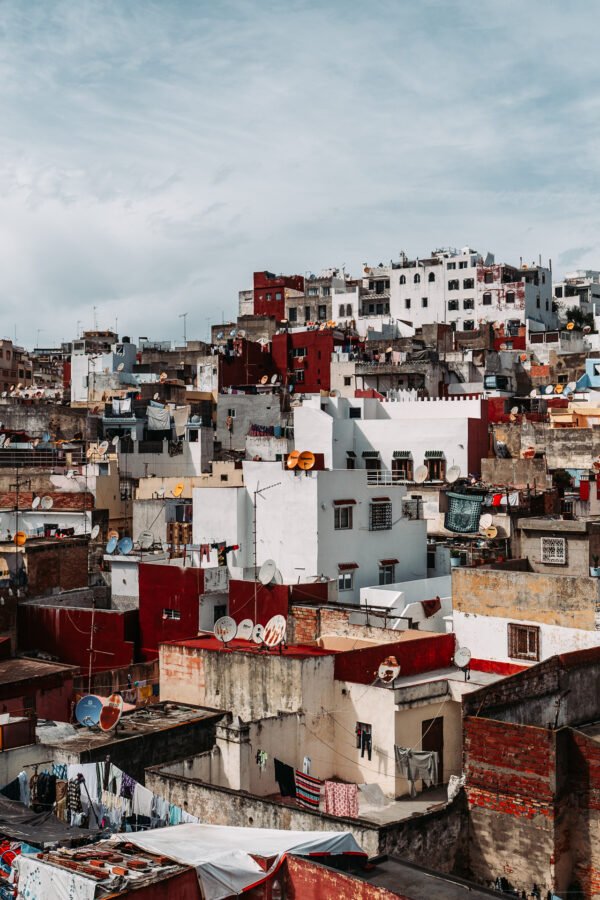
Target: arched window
{"type": "Point", "coordinates": [341, 312]}
{"type": "Point", "coordinates": [403, 279]}
{"type": "Point", "coordinates": [487, 299]}
{"type": "Point", "coordinates": [510, 296]}
{"type": "Point", "coordinates": [432, 276]}
{"type": "Point", "coordinates": [348, 309]}
{"type": "Point", "coordinates": [417, 278]}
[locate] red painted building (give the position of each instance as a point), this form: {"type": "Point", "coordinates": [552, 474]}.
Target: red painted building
{"type": "Point", "coordinates": [169, 605]}
{"type": "Point", "coordinates": [269, 292]}
{"type": "Point", "coordinates": [303, 359]}
{"type": "Point", "coordinates": [244, 362]}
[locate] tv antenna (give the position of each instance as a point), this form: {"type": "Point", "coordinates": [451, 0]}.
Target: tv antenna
{"type": "Point", "coordinates": [184, 317]}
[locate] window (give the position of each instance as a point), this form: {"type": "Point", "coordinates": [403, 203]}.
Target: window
{"type": "Point", "coordinates": [346, 581]}
{"type": "Point", "coordinates": [407, 303]}
{"type": "Point", "coordinates": [402, 466]}
{"type": "Point", "coordinates": [387, 572]}
{"type": "Point", "coordinates": [452, 305]}
{"type": "Point", "coordinates": [313, 292]}
{"type": "Point", "coordinates": [558, 292]}
{"type": "Point", "coordinates": [468, 304]}
{"type": "Point", "coordinates": [307, 313]}
{"type": "Point", "coordinates": [469, 325]}
{"type": "Point", "coordinates": [322, 312]}
{"type": "Point", "coordinates": [451, 265]}
{"type": "Point", "coordinates": [347, 380]}
{"type": "Point", "coordinates": [299, 376]}
{"type": "Point", "coordinates": [523, 641]}
{"type": "Point", "coordinates": [468, 283]}
{"type": "Point", "coordinates": [436, 465]}
{"type": "Point", "coordinates": [171, 614]}
{"type": "Point", "coordinates": [231, 413]}
{"type": "Point", "coordinates": [219, 612]}
{"type": "Point", "coordinates": [403, 279]}
{"type": "Point", "coordinates": [326, 291]}
{"type": "Point", "coordinates": [547, 306]}
{"type": "Point", "coordinates": [453, 284]}
{"type": "Point", "coordinates": [431, 276]}
{"type": "Point", "coordinates": [380, 309]}
{"type": "Point", "coordinates": [371, 308]}
{"type": "Point", "coordinates": [417, 278]}
{"type": "Point", "coordinates": [267, 296]}
{"type": "Point", "coordinates": [354, 412]}
{"type": "Point", "coordinates": [380, 514]}
{"type": "Point", "coordinates": [342, 518]}
{"type": "Point", "coordinates": [553, 551]}
{"type": "Point", "coordinates": [348, 309]}
{"type": "Point", "coordinates": [341, 310]}
{"type": "Point", "coordinates": [424, 302]}
{"type": "Point", "coordinates": [293, 314]}
{"type": "Point", "coordinates": [463, 264]}
{"type": "Point", "coordinates": [299, 352]}
{"type": "Point", "coordinates": [510, 296]}
{"type": "Point", "coordinates": [537, 302]}
{"type": "Point", "coordinates": [278, 295]}
{"type": "Point", "coordinates": [487, 299]}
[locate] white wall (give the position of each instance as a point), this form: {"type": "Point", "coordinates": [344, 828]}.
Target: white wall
{"type": "Point", "coordinates": [221, 514]}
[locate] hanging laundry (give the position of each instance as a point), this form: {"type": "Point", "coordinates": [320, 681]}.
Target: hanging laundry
{"type": "Point", "coordinates": [306, 764]}
{"type": "Point", "coordinates": [341, 799]}
{"type": "Point", "coordinates": [261, 759]}
{"type": "Point", "coordinates": [158, 419]}
{"type": "Point", "coordinates": [222, 551]}
{"type": "Point", "coordinates": [308, 790]}
{"type": "Point", "coordinates": [204, 552]}
{"type": "Point", "coordinates": [127, 786]}
{"type": "Point", "coordinates": [142, 801]}
{"type": "Point", "coordinates": [46, 790]}
{"type": "Point", "coordinates": [415, 765]}
{"type": "Point", "coordinates": [74, 795]}
{"type": "Point", "coordinates": [284, 776]}
{"type": "Point", "coordinates": [366, 743]}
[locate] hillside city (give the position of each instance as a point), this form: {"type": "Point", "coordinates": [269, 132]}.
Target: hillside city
{"type": "Point", "coordinates": [309, 609]}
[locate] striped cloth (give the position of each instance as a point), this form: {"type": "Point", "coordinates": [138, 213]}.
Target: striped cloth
{"type": "Point", "coordinates": [308, 790]}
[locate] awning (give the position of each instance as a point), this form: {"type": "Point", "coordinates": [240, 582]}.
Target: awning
{"type": "Point", "coordinates": [402, 454]}
{"type": "Point", "coordinates": [346, 567]}
{"type": "Point", "coordinates": [388, 562]}
{"type": "Point", "coordinates": [351, 454]}
{"type": "Point", "coordinates": [370, 454]}
{"type": "Point", "coordinates": [434, 454]}
{"type": "Point", "coordinates": [344, 502]}
{"type": "Point", "coordinates": [380, 500]}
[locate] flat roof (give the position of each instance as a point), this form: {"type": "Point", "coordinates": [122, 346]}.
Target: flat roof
{"type": "Point", "coordinates": [408, 880]}
{"type": "Point", "coordinates": [14, 671]}
{"type": "Point", "coordinates": [148, 719]}
{"type": "Point", "coordinates": [210, 642]}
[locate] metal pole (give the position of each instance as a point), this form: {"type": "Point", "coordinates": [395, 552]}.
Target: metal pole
{"type": "Point", "coordinates": [91, 648]}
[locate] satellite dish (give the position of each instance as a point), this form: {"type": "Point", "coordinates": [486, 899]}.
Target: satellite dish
{"type": "Point", "coordinates": [587, 329]}
{"type": "Point", "coordinates": [47, 502]}
{"type": "Point", "coordinates": [292, 460]}
{"type": "Point", "coordinates": [264, 379]}
{"type": "Point", "coordinates": [244, 630]}
{"type": "Point", "coordinates": [156, 396]}
{"type": "Point", "coordinates": [453, 474]}
{"type": "Point", "coordinates": [163, 377]}
{"type": "Point", "coordinates": [421, 474]}
{"type": "Point", "coordinates": [89, 452]}
{"type": "Point", "coordinates": [267, 572]}
{"type": "Point", "coordinates": [20, 538]}
{"type": "Point", "coordinates": [533, 393]}
{"type": "Point", "coordinates": [146, 540]}
{"type": "Point", "coordinates": [491, 532]}
{"type": "Point", "coordinates": [274, 379]}
{"type": "Point", "coordinates": [125, 546]}
{"type": "Point", "coordinates": [35, 502]}
{"type": "Point", "coordinates": [103, 447]}
{"type": "Point", "coordinates": [258, 633]}
{"type": "Point", "coordinates": [95, 532]}
{"type": "Point", "coordinates": [523, 357]}
{"type": "Point", "coordinates": [232, 332]}
{"type": "Point", "coordinates": [485, 522]}
{"type": "Point", "coordinates": [115, 440]}
{"type": "Point", "coordinates": [462, 657]}
{"type": "Point", "coordinates": [120, 367]}
{"type": "Point", "coordinates": [275, 631]}
{"type": "Point", "coordinates": [113, 534]}
{"type": "Point", "coordinates": [160, 493]}
{"type": "Point", "coordinates": [111, 712]}
{"type": "Point", "coordinates": [388, 670]}
{"type": "Point", "coordinates": [306, 460]}
{"type": "Point", "coordinates": [225, 629]}
{"type": "Point", "coordinates": [559, 388]}
{"type": "Point", "coordinates": [241, 333]}
{"type": "Point", "coordinates": [515, 411]}
{"type": "Point", "coordinates": [549, 389]}
{"type": "Point", "coordinates": [572, 385]}
{"type": "Point", "coordinates": [220, 336]}
{"type": "Point", "coordinates": [178, 489]}
{"type": "Point", "coordinates": [570, 326]}
{"type": "Point", "coordinates": [112, 544]}
{"type": "Point", "coordinates": [88, 710]}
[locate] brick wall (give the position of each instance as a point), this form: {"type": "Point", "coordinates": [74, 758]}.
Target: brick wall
{"type": "Point", "coordinates": [307, 623]}
{"type": "Point", "coordinates": [579, 838]}
{"type": "Point", "coordinates": [58, 564]}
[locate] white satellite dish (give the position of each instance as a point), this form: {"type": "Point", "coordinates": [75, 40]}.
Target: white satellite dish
{"type": "Point", "coordinates": [274, 379]}
{"type": "Point", "coordinates": [245, 629]}
{"type": "Point", "coordinates": [35, 502]}
{"type": "Point", "coordinates": [462, 657]}
{"type": "Point", "coordinates": [225, 629]}
{"type": "Point", "coordinates": [421, 474]}
{"type": "Point", "coordinates": [533, 392]}
{"type": "Point", "coordinates": [47, 502]}
{"type": "Point", "coordinates": [258, 633]}
{"type": "Point", "coordinates": [156, 396]}
{"type": "Point", "coordinates": [120, 367]}
{"type": "Point", "coordinates": [453, 474]}
{"type": "Point", "coordinates": [387, 671]}
{"type": "Point", "coordinates": [549, 389]}
{"type": "Point", "coordinates": [572, 385]}
{"type": "Point", "coordinates": [515, 411]}
{"type": "Point", "coordinates": [115, 440]}
{"type": "Point", "coordinates": [146, 540]}
{"type": "Point", "coordinates": [95, 532]}
{"type": "Point", "coordinates": [485, 521]}
{"type": "Point", "coordinates": [275, 631]}
{"type": "Point", "coordinates": [267, 572]}
{"type": "Point", "coordinates": [103, 447]}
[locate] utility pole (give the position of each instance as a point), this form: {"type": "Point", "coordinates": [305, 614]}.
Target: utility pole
{"type": "Point", "coordinates": [184, 317]}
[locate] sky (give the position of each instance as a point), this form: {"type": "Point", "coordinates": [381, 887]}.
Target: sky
{"type": "Point", "coordinates": [154, 154]}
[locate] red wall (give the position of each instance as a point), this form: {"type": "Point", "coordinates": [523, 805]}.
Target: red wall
{"type": "Point", "coordinates": [265, 283]}
{"type": "Point", "coordinates": [168, 587]}
{"type": "Point", "coordinates": [316, 365]}
{"type": "Point", "coordinates": [306, 880]}
{"type": "Point", "coordinates": [53, 697]}
{"type": "Point", "coordinates": [65, 633]}
{"type": "Point", "coordinates": [478, 440]}
{"type": "Point", "coordinates": [246, 368]}
{"type": "Point", "coordinates": [271, 600]}
{"type": "Point", "coordinates": [419, 655]}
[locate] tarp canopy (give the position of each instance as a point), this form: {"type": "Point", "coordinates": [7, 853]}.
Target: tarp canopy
{"type": "Point", "coordinates": [222, 855]}
{"type": "Point", "coordinates": [20, 823]}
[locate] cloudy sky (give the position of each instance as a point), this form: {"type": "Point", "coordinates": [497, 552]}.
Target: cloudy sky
{"type": "Point", "coordinates": [153, 154]}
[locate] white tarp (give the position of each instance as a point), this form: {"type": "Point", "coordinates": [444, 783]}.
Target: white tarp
{"type": "Point", "coordinates": [222, 854]}
{"type": "Point", "coordinates": [39, 880]}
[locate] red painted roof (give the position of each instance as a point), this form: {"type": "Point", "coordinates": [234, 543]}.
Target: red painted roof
{"type": "Point", "coordinates": [210, 642]}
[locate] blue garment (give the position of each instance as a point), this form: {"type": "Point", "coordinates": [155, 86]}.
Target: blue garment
{"type": "Point", "coordinates": [174, 815]}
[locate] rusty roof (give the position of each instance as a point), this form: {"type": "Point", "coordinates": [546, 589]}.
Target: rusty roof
{"type": "Point", "coordinates": [61, 500]}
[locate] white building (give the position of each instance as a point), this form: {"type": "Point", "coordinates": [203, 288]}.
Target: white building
{"type": "Point", "coordinates": [580, 289]}
{"type": "Point", "coordinates": [320, 524]}
{"type": "Point", "coordinates": [465, 290]}
{"type": "Point", "coordinates": [97, 375]}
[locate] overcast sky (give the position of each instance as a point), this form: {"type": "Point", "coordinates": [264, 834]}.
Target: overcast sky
{"type": "Point", "coordinates": [154, 154]}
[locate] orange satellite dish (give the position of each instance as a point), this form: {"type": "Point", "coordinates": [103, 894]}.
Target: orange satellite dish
{"type": "Point", "coordinates": [292, 460]}
{"type": "Point", "coordinates": [306, 460]}
{"type": "Point", "coordinates": [264, 379]}
{"type": "Point", "coordinates": [559, 388]}
{"type": "Point", "coordinates": [570, 326]}
{"type": "Point", "coordinates": [111, 712]}
{"type": "Point", "coordinates": [20, 538]}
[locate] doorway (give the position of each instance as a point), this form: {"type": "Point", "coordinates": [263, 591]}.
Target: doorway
{"type": "Point", "coordinates": [432, 738]}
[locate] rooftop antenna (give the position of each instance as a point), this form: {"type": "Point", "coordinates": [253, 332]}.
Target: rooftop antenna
{"type": "Point", "coordinates": [184, 317]}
